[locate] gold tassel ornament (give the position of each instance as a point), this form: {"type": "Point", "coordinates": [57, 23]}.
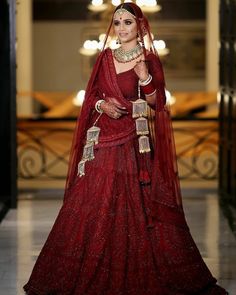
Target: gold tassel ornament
{"type": "Point", "coordinates": [93, 134]}
{"type": "Point", "coordinates": [139, 108]}
{"type": "Point", "coordinates": [140, 111]}
{"type": "Point", "coordinates": [141, 126]}
{"type": "Point", "coordinates": [88, 151]}
{"type": "Point", "coordinates": [144, 146]}
{"type": "Point", "coordinates": [81, 168]}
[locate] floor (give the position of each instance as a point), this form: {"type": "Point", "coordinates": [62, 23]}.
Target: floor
{"type": "Point", "coordinates": [23, 232]}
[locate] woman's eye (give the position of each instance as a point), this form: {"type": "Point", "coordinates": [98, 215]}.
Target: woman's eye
{"type": "Point", "coordinates": [116, 23]}
{"type": "Point", "coordinates": [128, 22]}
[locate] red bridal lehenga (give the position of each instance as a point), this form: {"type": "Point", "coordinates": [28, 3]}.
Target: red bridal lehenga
{"type": "Point", "coordinates": [121, 229]}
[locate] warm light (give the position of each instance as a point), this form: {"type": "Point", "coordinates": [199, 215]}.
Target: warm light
{"type": "Point", "coordinates": [226, 98]}
{"type": "Point", "coordinates": [97, 6]}
{"type": "Point", "coordinates": [116, 2]}
{"type": "Point", "coordinates": [148, 5]}
{"type": "Point", "coordinates": [97, 2]}
{"type": "Point", "coordinates": [102, 37]}
{"type": "Point", "coordinates": [101, 41]}
{"type": "Point", "coordinates": [78, 100]}
{"type": "Point", "coordinates": [146, 2]}
{"type": "Point", "coordinates": [89, 48]}
{"type": "Point", "coordinates": [100, 45]}
{"type": "Point", "coordinates": [160, 46]}
{"type": "Point", "coordinates": [87, 52]}
{"type": "Point", "coordinates": [88, 44]}
{"type": "Point", "coordinates": [218, 96]}
{"type": "Point", "coordinates": [94, 44]}
{"type": "Point", "coordinates": [150, 2]}
{"type": "Point", "coordinates": [169, 98]}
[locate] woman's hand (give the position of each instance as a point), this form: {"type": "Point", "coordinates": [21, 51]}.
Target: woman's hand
{"type": "Point", "coordinates": [141, 70]}
{"type": "Point", "coordinates": [113, 109]}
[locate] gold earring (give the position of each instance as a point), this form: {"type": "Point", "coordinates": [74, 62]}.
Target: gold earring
{"type": "Point", "coordinates": [138, 38]}
{"type": "Point", "coordinates": [118, 41]}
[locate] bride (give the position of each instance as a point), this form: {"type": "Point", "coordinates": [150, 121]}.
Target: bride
{"type": "Point", "coordinates": [121, 228]}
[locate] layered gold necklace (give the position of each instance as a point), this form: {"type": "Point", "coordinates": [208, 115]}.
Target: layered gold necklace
{"type": "Point", "coordinates": [125, 56]}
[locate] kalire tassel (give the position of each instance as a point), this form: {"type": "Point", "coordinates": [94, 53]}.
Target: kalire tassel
{"type": "Point", "coordinates": [93, 134]}
{"type": "Point", "coordinates": [139, 108]}
{"type": "Point", "coordinates": [139, 111]}
{"type": "Point", "coordinates": [144, 146]}
{"type": "Point", "coordinates": [141, 126]}
{"type": "Point", "coordinates": [88, 151]}
{"type": "Point", "coordinates": [81, 168]}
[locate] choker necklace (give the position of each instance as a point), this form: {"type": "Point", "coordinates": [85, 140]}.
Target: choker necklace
{"type": "Point", "coordinates": [126, 56]}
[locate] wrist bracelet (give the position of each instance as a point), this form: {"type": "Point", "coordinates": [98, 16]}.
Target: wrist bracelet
{"type": "Point", "coordinates": [145, 82]}
{"type": "Point", "coordinates": [98, 105]}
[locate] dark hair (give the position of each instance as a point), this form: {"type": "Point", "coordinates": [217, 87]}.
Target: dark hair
{"type": "Point", "coordinates": [126, 6]}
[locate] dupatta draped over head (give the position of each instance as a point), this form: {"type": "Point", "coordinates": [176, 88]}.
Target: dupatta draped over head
{"type": "Point", "coordinates": [166, 204]}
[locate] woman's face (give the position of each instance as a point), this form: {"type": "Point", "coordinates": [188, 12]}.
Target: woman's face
{"type": "Point", "coordinates": [125, 27]}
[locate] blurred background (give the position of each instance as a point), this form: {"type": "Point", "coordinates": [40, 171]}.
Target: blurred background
{"type": "Point", "coordinates": [57, 43]}
{"type": "Point", "coordinates": [48, 48]}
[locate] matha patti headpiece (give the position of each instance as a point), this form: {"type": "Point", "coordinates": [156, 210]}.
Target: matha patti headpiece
{"type": "Point", "coordinates": [122, 10]}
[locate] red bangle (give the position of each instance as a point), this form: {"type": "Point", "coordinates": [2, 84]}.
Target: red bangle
{"type": "Point", "coordinates": [148, 89]}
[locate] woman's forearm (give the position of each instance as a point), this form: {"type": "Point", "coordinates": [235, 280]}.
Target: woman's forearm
{"type": "Point", "coordinates": [151, 99]}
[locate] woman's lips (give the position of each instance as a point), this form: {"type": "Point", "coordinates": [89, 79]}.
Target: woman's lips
{"type": "Point", "coordinates": [123, 34]}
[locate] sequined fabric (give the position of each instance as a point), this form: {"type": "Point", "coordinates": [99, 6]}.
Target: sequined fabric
{"type": "Point", "coordinates": [102, 243]}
